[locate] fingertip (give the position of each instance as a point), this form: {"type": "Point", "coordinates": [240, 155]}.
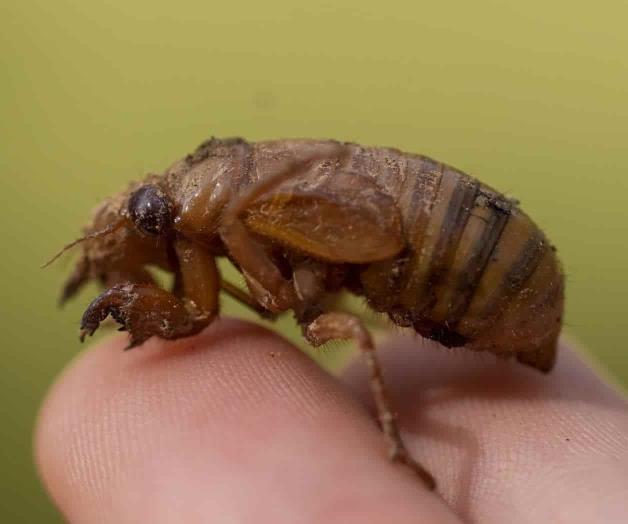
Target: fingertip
{"type": "Point", "coordinates": [232, 424]}
{"type": "Point", "coordinates": [110, 406]}
{"type": "Point", "coordinates": [492, 430]}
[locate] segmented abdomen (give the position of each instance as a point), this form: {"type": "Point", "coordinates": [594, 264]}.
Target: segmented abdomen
{"type": "Point", "coordinates": [477, 270]}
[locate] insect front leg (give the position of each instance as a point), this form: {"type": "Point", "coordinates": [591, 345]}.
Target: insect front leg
{"type": "Point", "coordinates": [330, 326]}
{"type": "Point", "coordinates": [146, 310]}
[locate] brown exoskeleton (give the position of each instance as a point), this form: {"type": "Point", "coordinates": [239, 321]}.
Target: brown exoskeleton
{"type": "Point", "coordinates": [430, 246]}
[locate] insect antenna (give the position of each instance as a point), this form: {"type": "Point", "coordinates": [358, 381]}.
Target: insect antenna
{"type": "Point", "coordinates": [101, 233]}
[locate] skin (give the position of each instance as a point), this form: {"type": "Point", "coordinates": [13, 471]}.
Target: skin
{"type": "Point", "coordinates": [235, 425]}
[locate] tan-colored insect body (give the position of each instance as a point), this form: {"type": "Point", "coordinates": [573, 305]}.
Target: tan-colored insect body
{"type": "Point", "coordinates": [432, 247]}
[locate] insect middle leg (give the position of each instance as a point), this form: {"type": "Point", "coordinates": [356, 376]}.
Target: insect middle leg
{"type": "Point", "coordinates": [264, 279]}
{"type": "Point", "coordinates": [330, 326]}
{"type": "Point", "coordinates": [245, 299]}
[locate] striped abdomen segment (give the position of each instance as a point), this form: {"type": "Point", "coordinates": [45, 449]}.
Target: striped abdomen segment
{"type": "Point", "coordinates": [471, 254]}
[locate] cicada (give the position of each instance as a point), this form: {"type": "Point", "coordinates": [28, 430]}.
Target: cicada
{"type": "Point", "coordinates": [433, 248]}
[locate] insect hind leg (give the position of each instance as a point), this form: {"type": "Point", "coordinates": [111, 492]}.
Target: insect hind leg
{"type": "Point", "coordinates": [329, 326]}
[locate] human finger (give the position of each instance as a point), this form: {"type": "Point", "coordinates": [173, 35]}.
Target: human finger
{"type": "Point", "coordinates": [234, 425]}
{"type": "Point", "coordinates": [505, 442]}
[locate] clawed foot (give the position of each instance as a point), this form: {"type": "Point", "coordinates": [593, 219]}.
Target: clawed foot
{"type": "Point", "coordinates": [143, 310]}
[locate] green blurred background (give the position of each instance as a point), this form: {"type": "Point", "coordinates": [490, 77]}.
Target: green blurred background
{"type": "Point", "coordinates": [529, 96]}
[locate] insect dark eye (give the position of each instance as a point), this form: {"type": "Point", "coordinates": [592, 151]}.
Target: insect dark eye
{"type": "Point", "coordinates": [150, 210]}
